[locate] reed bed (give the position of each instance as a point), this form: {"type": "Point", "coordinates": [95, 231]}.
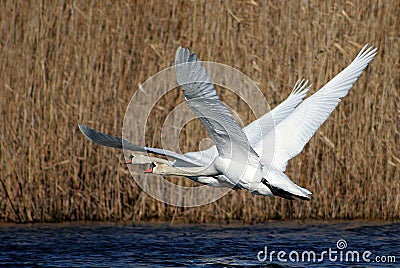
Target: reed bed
{"type": "Point", "coordinates": [64, 63]}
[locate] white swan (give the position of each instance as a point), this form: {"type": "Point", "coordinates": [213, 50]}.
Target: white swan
{"type": "Point", "coordinates": [259, 168]}
{"type": "Point", "coordinates": [258, 134]}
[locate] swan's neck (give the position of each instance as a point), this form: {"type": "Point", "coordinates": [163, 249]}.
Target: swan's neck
{"type": "Point", "coordinates": [159, 160]}
{"type": "Point", "coordinates": [186, 171]}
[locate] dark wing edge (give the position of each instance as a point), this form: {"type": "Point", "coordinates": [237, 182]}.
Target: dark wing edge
{"type": "Point", "coordinates": [117, 142]}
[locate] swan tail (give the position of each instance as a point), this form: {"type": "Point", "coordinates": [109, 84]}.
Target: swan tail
{"type": "Point", "coordinates": [280, 185]}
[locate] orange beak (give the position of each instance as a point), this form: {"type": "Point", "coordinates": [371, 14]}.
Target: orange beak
{"type": "Point", "coordinates": [128, 162]}
{"type": "Point", "coordinates": [150, 170]}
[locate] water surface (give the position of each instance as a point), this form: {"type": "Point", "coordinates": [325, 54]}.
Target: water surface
{"type": "Point", "coordinates": [111, 245]}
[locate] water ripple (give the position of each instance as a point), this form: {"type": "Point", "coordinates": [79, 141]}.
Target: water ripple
{"type": "Point", "coordinates": [105, 245]}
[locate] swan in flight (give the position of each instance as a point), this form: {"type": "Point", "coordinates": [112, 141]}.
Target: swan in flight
{"type": "Point", "coordinates": [260, 168]}
{"type": "Point", "coordinates": [264, 160]}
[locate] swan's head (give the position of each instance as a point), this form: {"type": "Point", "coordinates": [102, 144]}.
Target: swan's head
{"type": "Point", "coordinates": [157, 168]}
{"type": "Point", "coordinates": [138, 159]}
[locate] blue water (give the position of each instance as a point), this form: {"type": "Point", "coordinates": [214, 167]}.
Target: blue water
{"type": "Point", "coordinates": [112, 245]}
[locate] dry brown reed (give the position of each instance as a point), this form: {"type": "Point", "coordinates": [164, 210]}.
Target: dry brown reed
{"type": "Point", "coordinates": [81, 61]}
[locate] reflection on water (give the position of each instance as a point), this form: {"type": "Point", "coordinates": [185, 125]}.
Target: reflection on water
{"type": "Point", "coordinates": [105, 245]}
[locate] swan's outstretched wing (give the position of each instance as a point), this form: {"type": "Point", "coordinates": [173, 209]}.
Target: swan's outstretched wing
{"type": "Point", "coordinates": [116, 142]}
{"type": "Point", "coordinates": [202, 98]}
{"type": "Point", "coordinates": [108, 140]}
{"type": "Point", "coordinates": [259, 128]}
{"type": "Point", "coordinates": [293, 133]}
